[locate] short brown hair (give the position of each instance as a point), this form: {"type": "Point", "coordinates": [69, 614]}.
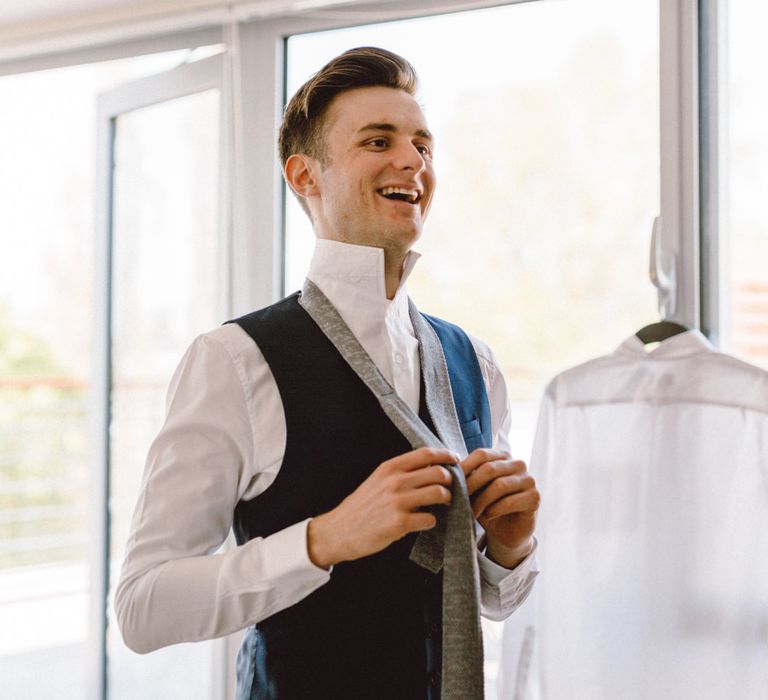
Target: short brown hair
{"type": "Point", "coordinates": [302, 130]}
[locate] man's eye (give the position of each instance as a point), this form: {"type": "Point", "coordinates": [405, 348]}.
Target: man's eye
{"type": "Point", "coordinates": [424, 150]}
{"type": "Point", "coordinates": [378, 143]}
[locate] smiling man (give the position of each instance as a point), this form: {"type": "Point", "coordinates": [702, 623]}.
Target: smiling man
{"type": "Point", "coordinates": [270, 431]}
{"type": "Point", "coordinates": [369, 182]}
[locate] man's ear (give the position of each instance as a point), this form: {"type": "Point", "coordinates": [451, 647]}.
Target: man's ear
{"type": "Point", "coordinates": [300, 172]}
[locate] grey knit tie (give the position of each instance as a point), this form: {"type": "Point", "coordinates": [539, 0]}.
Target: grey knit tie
{"type": "Point", "coordinates": [451, 543]}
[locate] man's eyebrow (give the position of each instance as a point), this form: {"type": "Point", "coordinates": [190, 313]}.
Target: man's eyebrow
{"type": "Point", "coordinates": [375, 126]}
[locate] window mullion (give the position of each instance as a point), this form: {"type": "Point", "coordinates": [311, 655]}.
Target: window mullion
{"type": "Point", "coordinates": [678, 45]}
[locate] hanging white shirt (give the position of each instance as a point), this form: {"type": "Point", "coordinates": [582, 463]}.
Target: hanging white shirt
{"type": "Point", "coordinates": [653, 467]}
{"type": "Point", "coordinates": [223, 441]}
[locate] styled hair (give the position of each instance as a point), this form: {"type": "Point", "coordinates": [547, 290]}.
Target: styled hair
{"type": "Point", "coordinates": [303, 127]}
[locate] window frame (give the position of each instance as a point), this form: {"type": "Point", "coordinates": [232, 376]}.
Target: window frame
{"type": "Point", "coordinates": [712, 141]}
{"type": "Point", "coordinates": [690, 230]}
{"type": "Point", "coordinates": [181, 81]}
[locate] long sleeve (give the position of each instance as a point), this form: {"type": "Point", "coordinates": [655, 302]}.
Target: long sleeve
{"type": "Point", "coordinates": [502, 590]}
{"type": "Point", "coordinates": [223, 441]}
{"type": "Point", "coordinates": [200, 464]}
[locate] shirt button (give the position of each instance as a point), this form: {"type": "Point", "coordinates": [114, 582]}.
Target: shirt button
{"type": "Point", "coordinates": [354, 278]}
{"type": "Point", "coordinates": [399, 359]}
{"type": "Point", "coordinates": [434, 678]}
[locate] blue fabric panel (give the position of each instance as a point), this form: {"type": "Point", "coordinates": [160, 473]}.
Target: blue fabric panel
{"type": "Point", "coordinates": [467, 384]}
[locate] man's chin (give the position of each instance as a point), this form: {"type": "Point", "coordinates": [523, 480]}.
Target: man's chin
{"type": "Point", "coordinates": [403, 237]}
{"type": "Point", "coordinates": [406, 229]}
{"type": "Point", "coordinates": [397, 236]}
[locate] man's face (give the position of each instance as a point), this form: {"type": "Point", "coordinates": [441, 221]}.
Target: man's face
{"type": "Point", "coordinates": [377, 182]}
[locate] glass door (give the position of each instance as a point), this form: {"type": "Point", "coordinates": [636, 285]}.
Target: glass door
{"type": "Point", "coordinates": [163, 271]}
{"type": "Point", "coordinates": [537, 241]}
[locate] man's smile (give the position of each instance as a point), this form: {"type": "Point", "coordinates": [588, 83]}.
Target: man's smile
{"type": "Point", "coordinates": [402, 194]}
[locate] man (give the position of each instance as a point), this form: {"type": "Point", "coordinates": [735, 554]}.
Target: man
{"type": "Point", "coordinates": [270, 431]}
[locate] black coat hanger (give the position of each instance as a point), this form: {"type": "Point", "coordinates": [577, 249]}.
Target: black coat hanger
{"type": "Point", "coordinates": [659, 331]}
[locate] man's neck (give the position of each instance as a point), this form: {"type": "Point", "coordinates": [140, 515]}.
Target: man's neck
{"type": "Point", "coordinates": [393, 271]}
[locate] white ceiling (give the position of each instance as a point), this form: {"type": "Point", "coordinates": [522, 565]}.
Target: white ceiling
{"type": "Point", "coordinates": [38, 12]}
{"type": "Point", "coordinates": [30, 28]}
{"type": "Point", "coordinates": [16, 11]}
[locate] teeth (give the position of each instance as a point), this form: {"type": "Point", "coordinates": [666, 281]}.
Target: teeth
{"type": "Point", "coordinates": [413, 195]}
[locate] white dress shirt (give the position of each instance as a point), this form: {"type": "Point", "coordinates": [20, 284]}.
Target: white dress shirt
{"type": "Point", "coordinates": [223, 440]}
{"type": "Point", "coordinates": [654, 471]}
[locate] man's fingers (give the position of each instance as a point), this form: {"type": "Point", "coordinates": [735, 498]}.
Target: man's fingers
{"type": "Point", "coordinates": [431, 495]}
{"type": "Point", "coordinates": [488, 471]}
{"type": "Point", "coordinates": [502, 489]}
{"type": "Point", "coordinates": [420, 521]}
{"type": "Point", "coordinates": [515, 503]}
{"type": "Point", "coordinates": [434, 474]}
{"type": "Point", "coordinates": [416, 459]}
{"type": "Point", "coordinates": [480, 456]}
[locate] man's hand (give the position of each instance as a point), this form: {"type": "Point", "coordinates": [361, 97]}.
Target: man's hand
{"type": "Point", "coordinates": [504, 500]}
{"type": "Point", "coordinates": [384, 508]}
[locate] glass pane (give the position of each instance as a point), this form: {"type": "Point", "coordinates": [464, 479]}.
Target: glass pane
{"type": "Point", "coordinates": [546, 123]}
{"type": "Point", "coordinates": [745, 322]}
{"type": "Point", "coordinates": [166, 252]}
{"type": "Point", "coordinates": [47, 152]}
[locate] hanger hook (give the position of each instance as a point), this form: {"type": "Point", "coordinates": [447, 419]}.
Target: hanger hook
{"type": "Point", "coordinates": [663, 272]}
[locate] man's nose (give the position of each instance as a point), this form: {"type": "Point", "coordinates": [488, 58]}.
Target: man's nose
{"type": "Point", "coordinates": [408, 157]}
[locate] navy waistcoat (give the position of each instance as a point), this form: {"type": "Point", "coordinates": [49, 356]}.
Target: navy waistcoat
{"type": "Point", "coordinates": [374, 630]}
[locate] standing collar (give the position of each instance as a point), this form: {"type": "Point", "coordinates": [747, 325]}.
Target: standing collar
{"type": "Point", "coordinates": [684, 344]}
{"type": "Point", "coordinates": [353, 276]}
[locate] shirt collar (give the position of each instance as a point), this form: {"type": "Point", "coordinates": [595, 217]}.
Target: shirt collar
{"type": "Point", "coordinates": [684, 344]}
{"type": "Point", "coordinates": [352, 277]}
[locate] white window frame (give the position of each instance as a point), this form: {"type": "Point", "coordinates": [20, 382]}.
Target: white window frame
{"type": "Point", "coordinates": [715, 270]}
{"type": "Point", "coordinates": [679, 132]}
{"type": "Point", "coordinates": [184, 80]}
{"type": "Point", "coordinates": [257, 246]}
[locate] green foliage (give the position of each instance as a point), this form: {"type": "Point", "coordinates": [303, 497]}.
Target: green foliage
{"type": "Point", "coordinates": [21, 353]}
{"type": "Point", "coordinates": [42, 448]}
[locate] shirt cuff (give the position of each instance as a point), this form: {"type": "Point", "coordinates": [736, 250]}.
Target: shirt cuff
{"type": "Point", "coordinates": [504, 590]}
{"type": "Point", "coordinates": [286, 559]}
